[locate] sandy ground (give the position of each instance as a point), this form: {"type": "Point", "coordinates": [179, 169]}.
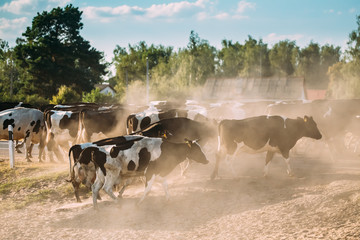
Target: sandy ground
{"type": "Point", "coordinates": [322, 201]}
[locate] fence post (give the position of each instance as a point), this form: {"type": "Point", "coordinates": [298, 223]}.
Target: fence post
{"type": "Point", "coordinates": [11, 146]}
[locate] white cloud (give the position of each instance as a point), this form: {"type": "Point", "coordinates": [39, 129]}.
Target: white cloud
{"type": "Point", "coordinates": [352, 10]}
{"type": "Point", "coordinates": [273, 38]}
{"type": "Point", "coordinates": [170, 10]}
{"type": "Point", "coordinates": [329, 11]}
{"type": "Point", "coordinates": [221, 16]}
{"type": "Point", "coordinates": [29, 7]}
{"type": "Point", "coordinates": [19, 6]}
{"type": "Point", "coordinates": [243, 5]}
{"type": "Point", "coordinates": [60, 2]}
{"type": "Point", "coordinates": [12, 28]}
{"type": "Point", "coordinates": [202, 16]}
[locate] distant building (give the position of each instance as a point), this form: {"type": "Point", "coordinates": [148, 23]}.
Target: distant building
{"type": "Point", "coordinates": [282, 88]}
{"type": "Point", "coordinates": [314, 94]}
{"type": "Point", "coordinates": [106, 89]}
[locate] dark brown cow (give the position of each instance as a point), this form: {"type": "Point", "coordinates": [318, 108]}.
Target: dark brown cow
{"type": "Point", "coordinates": [335, 118]}
{"type": "Point", "coordinates": [272, 134]}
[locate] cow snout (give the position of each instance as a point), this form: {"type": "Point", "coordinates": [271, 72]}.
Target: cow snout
{"type": "Point", "coordinates": [318, 136]}
{"type": "Point", "coordinates": [204, 161]}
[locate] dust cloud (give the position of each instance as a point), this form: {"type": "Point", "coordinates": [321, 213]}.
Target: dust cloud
{"type": "Point", "coordinates": [320, 202]}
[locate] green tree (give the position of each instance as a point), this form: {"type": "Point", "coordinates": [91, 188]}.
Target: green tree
{"type": "Point", "coordinates": [65, 95]}
{"type": "Point", "coordinates": [309, 64]}
{"type": "Point", "coordinates": [54, 53]}
{"type": "Point", "coordinates": [354, 42]}
{"type": "Point", "coordinates": [230, 59]}
{"type": "Point", "coordinates": [256, 59]}
{"type": "Point", "coordinates": [345, 75]}
{"type": "Point", "coordinates": [131, 63]}
{"type": "Point", "coordinates": [95, 96]}
{"type": "Point", "coordinates": [282, 57]}
{"type": "Point", "coordinates": [202, 59]}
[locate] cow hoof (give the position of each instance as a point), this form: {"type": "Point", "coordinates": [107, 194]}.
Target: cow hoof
{"type": "Point", "coordinates": [28, 160]}
{"type": "Point", "coordinates": [18, 151]}
{"type": "Point", "coordinates": [213, 176]}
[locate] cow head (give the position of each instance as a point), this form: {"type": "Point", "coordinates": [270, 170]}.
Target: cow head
{"type": "Point", "coordinates": [196, 152]}
{"type": "Point", "coordinates": [311, 130]}
{"type": "Point", "coordinates": [84, 173]}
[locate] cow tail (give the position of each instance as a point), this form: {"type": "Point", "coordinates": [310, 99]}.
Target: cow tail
{"type": "Point", "coordinates": [219, 141]}
{"type": "Point", "coordinates": [71, 169]}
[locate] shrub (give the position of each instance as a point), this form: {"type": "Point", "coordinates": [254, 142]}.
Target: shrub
{"type": "Point", "coordinates": [65, 95]}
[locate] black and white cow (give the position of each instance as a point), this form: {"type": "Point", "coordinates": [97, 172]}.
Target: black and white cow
{"type": "Point", "coordinates": [271, 134]}
{"type": "Point", "coordinates": [149, 157]}
{"type": "Point", "coordinates": [139, 121]}
{"type": "Point", "coordinates": [9, 105]}
{"type": "Point", "coordinates": [83, 170]}
{"type": "Point", "coordinates": [28, 124]}
{"type": "Point", "coordinates": [62, 129]}
{"type": "Point", "coordinates": [96, 124]}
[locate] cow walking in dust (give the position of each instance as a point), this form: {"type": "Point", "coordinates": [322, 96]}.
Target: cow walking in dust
{"type": "Point", "coordinates": [83, 170]}
{"type": "Point", "coordinates": [271, 134]}
{"type": "Point", "coordinates": [149, 157]}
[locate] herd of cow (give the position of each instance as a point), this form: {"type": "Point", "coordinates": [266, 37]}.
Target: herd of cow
{"type": "Point", "coordinates": [109, 145]}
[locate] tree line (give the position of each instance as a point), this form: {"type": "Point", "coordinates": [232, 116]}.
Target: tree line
{"type": "Point", "coordinates": [52, 62]}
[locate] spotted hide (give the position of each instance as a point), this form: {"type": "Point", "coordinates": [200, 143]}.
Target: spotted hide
{"type": "Point", "coordinates": [139, 121]}
{"type": "Point", "coordinates": [83, 169]}
{"type": "Point", "coordinates": [95, 124]}
{"type": "Point", "coordinates": [28, 124]}
{"type": "Point", "coordinates": [271, 134]}
{"type": "Point", "coordinates": [149, 157]}
{"type": "Point", "coordinates": [62, 128]}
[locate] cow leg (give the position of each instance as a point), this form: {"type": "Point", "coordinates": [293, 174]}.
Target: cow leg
{"type": "Point", "coordinates": [99, 182]}
{"type": "Point", "coordinates": [269, 157]}
{"type": "Point", "coordinates": [111, 176]}
{"type": "Point", "coordinates": [216, 169]}
{"type": "Point", "coordinates": [30, 150]}
{"type": "Point", "coordinates": [76, 186]}
{"type": "Point", "coordinates": [122, 190]}
{"type": "Point", "coordinates": [165, 187]}
{"type": "Point", "coordinates": [27, 147]}
{"type": "Point", "coordinates": [289, 171]}
{"type": "Point", "coordinates": [148, 186]}
{"type": "Point", "coordinates": [41, 150]}
{"type": "Point", "coordinates": [18, 146]}
{"type": "Point", "coordinates": [184, 166]}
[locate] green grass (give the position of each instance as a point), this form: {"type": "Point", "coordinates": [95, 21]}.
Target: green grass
{"type": "Point", "coordinates": [27, 184]}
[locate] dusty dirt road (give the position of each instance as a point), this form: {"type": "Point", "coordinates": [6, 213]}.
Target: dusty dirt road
{"type": "Point", "coordinates": [322, 201]}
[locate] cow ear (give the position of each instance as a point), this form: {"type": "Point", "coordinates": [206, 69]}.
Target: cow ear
{"type": "Point", "coordinates": [164, 135]}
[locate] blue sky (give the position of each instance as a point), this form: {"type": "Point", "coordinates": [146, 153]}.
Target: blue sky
{"type": "Point", "coordinates": [109, 23]}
